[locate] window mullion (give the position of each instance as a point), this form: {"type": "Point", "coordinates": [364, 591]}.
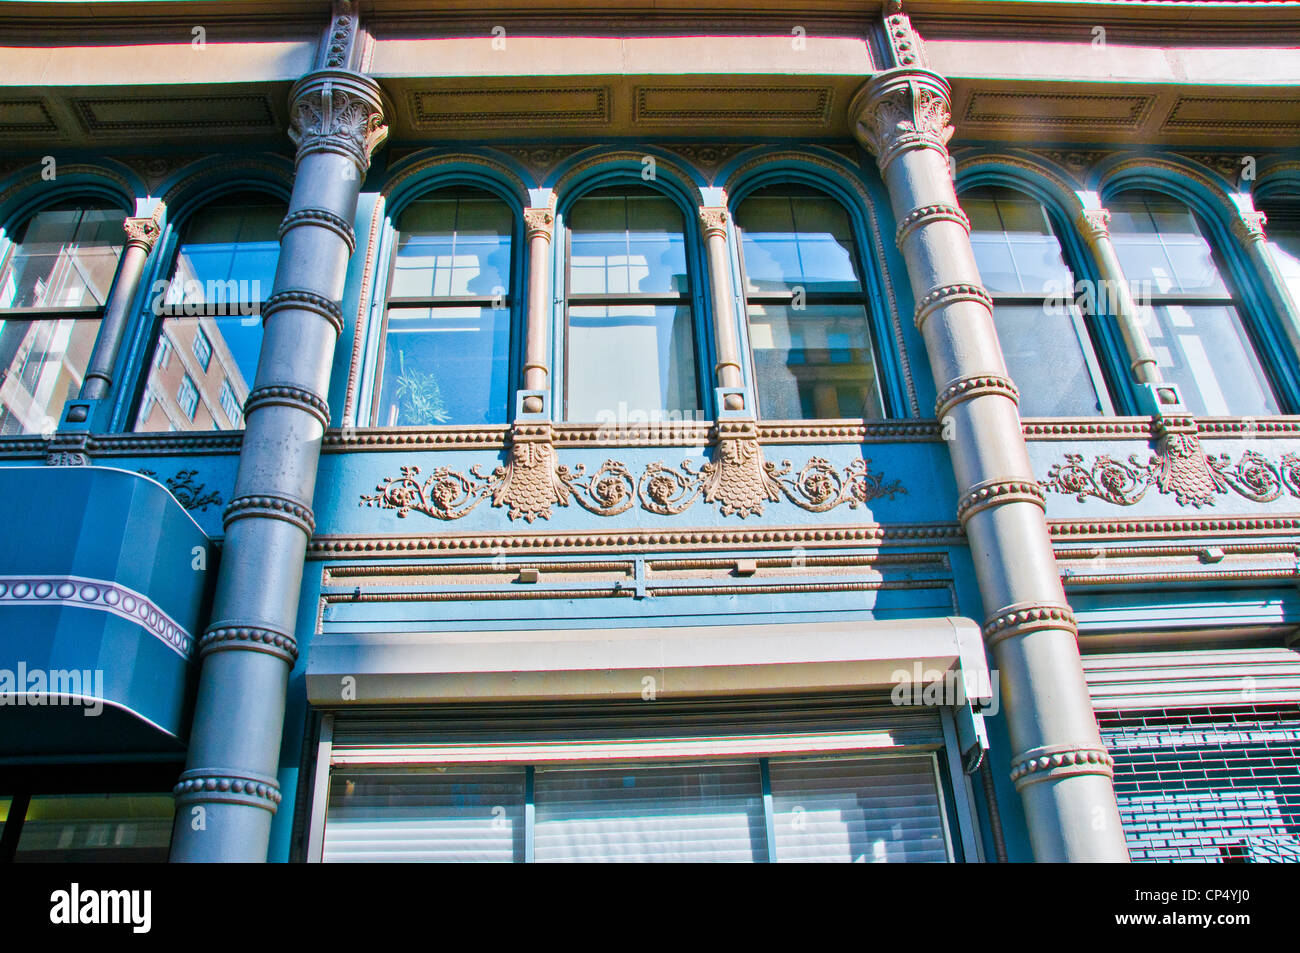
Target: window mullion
{"type": "Point", "coordinates": [769, 814]}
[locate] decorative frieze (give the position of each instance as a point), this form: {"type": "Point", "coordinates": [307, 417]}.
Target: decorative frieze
{"type": "Point", "coordinates": [737, 479]}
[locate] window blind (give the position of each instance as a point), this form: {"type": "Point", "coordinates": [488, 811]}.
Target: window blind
{"type": "Point", "coordinates": [433, 815]}
{"type": "Point", "coordinates": [861, 810]}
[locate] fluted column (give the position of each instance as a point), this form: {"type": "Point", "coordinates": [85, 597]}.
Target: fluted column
{"type": "Point", "coordinates": [539, 224]}
{"type": "Point", "coordinates": [1094, 226]}
{"type": "Point", "coordinates": [1249, 230]}
{"type": "Point", "coordinates": [1059, 765]}
{"type": "Point", "coordinates": [141, 234]}
{"type": "Point", "coordinates": [714, 223]}
{"type": "Point", "coordinates": [228, 793]}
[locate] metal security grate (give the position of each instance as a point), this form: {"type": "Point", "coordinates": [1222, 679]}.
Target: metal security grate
{"type": "Point", "coordinates": [1208, 784]}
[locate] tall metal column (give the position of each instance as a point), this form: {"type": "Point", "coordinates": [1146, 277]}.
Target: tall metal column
{"type": "Point", "coordinates": [1059, 765]}
{"type": "Point", "coordinates": [141, 234]}
{"type": "Point", "coordinates": [714, 223]}
{"type": "Point", "coordinates": [228, 793]}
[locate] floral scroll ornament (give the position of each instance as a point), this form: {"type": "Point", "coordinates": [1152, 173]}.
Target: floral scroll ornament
{"type": "Point", "coordinates": [1180, 467]}
{"type": "Point", "coordinates": [738, 480]}
{"type": "Point", "coordinates": [188, 493]}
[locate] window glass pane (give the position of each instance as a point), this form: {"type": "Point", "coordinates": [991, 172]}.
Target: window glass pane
{"type": "Point", "coordinates": [1206, 352]}
{"type": "Point", "coordinates": [97, 828]}
{"type": "Point", "coordinates": [1283, 232]}
{"type": "Point", "coordinates": [879, 810]}
{"type": "Point", "coordinates": [626, 244]}
{"type": "Point", "coordinates": [445, 366]}
{"type": "Point", "coordinates": [65, 257]}
{"type": "Point", "coordinates": [232, 343]}
{"type": "Point", "coordinates": [1159, 240]}
{"type": "Point", "coordinates": [42, 365]}
{"type": "Point", "coordinates": [1045, 357]}
{"type": "Point", "coordinates": [795, 239]}
{"type": "Point", "coordinates": [438, 814]}
{"type": "Point", "coordinates": [814, 363]}
{"type": "Point", "coordinates": [1015, 247]}
{"type": "Point", "coordinates": [687, 813]}
{"type": "Point", "coordinates": [632, 358]}
{"type": "Point", "coordinates": [453, 244]}
{"type": "Point", "coordinates": [227, 255]}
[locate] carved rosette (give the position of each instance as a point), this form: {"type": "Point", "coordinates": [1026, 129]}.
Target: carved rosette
{"type": "Point", "coordinates": [905, 108]}
{"type": "Point", "coordinates": [333, 110]}
{"type": "Point", "coordinates": [143, 232]}
{"type": "Point", "coordinates": [539, 223]}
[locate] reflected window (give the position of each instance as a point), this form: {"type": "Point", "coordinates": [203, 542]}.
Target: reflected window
{"type": "Point", "coordinates": [211, 334]}
{"type": "Point", "coordinates": [1190, 314]}
{"type": "Point", "coordinates": [96, 828]}
{"type": "Point", "coordinates": [446, 331]}
{"type": "Point", "coordinates": [1043, 335]}
{"type": "Point", "coordinates": [54, 282]}
{"type": "Point", "coordinates": [631, 327]}
{"type": "Point", "coordinates": [809, 330]}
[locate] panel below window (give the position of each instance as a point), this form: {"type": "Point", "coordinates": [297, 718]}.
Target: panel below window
{"type": "Point", "coordinates": [445, 365]}
{"type": "Point", "coordinates": [42, 365]}
{"type": "Point", "coordinates": [814, 362]}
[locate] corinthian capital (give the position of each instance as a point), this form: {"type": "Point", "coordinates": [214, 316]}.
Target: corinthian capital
{"type": "Point", "coordinates": [1094, 223]}
{"type": "Point", "coordinates": [1250, 226]}
{"type": "Point", "coordinates": [714, 221]}
{"type": "Point", "coordinates": [144, 231]}
{"type": "Point", "coordinates": [903, 109]}
{"type": "Point", "coordinates": [337, 111]}
{"type": "Point", "coordinates": [539, 221]}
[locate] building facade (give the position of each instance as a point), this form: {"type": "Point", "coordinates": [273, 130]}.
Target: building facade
{"type": "Point", "coordinates": [673, 431]}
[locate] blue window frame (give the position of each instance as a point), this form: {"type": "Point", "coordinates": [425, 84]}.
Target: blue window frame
{"type": "Point", "coordinates": [1191, 313]}
{"type": "Point", "coordinates": [1044, 336]}
{"type": "Point", "coordinates": [807, 305]}
{"type": "Point", "coordinates": [630, 332]}
{"type": "Point", "coordinates": [446, 331]}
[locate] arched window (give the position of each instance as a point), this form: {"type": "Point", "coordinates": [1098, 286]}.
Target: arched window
{"type": "Point", "coordinates": [630, 327]}
{"type": "Point", "coordinates": [807, 307]}
{"type": "Point", "coordinates": [54, 281]}
{"type": "Point", "coordinates": [1191, 315]}
{"type": "Point", "coordinates": [446, 329]}
{"type": "Point", "coordinates": [1283, 232]}
{"type": "Point", "coordinates": [205, 356]}
{"type": "Point", "coordinates": [1043, 335]}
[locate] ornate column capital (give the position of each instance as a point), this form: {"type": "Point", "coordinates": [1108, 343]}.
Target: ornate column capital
{"type": "Point", "coordinates": [539, 222]}
{"type": "Point", "coordinates": [1093, 223]}
{"type": "Point", "coordinates": [902, 109]}
{"type": "Point", "coordinates": [335, 110]}
{"type": "Point", "coordinates": [143, 232]}
{"type": "Point", "coordinates": [713, 219]}
{"type": "Point", "coordinates": [1249, 227]}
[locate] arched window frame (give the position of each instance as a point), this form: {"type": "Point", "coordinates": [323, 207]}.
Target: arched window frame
{"type": "Point", "coordinates": [894, 393]}
{"type": "Point", "coordinates": [31, 201]}
{"type": "Point", "coordinates": [625, 174]}
{"type": "Point", "coordinates": [1100, 340]}
{"type": "Point", "coordinates": [407, 193]}
{"type": "Point", "coordinates": [1214, 210]}
{"type": "Point", "coordinates": [140, 355]}
{"type": "Point", "coordinates": [1274, 186]}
